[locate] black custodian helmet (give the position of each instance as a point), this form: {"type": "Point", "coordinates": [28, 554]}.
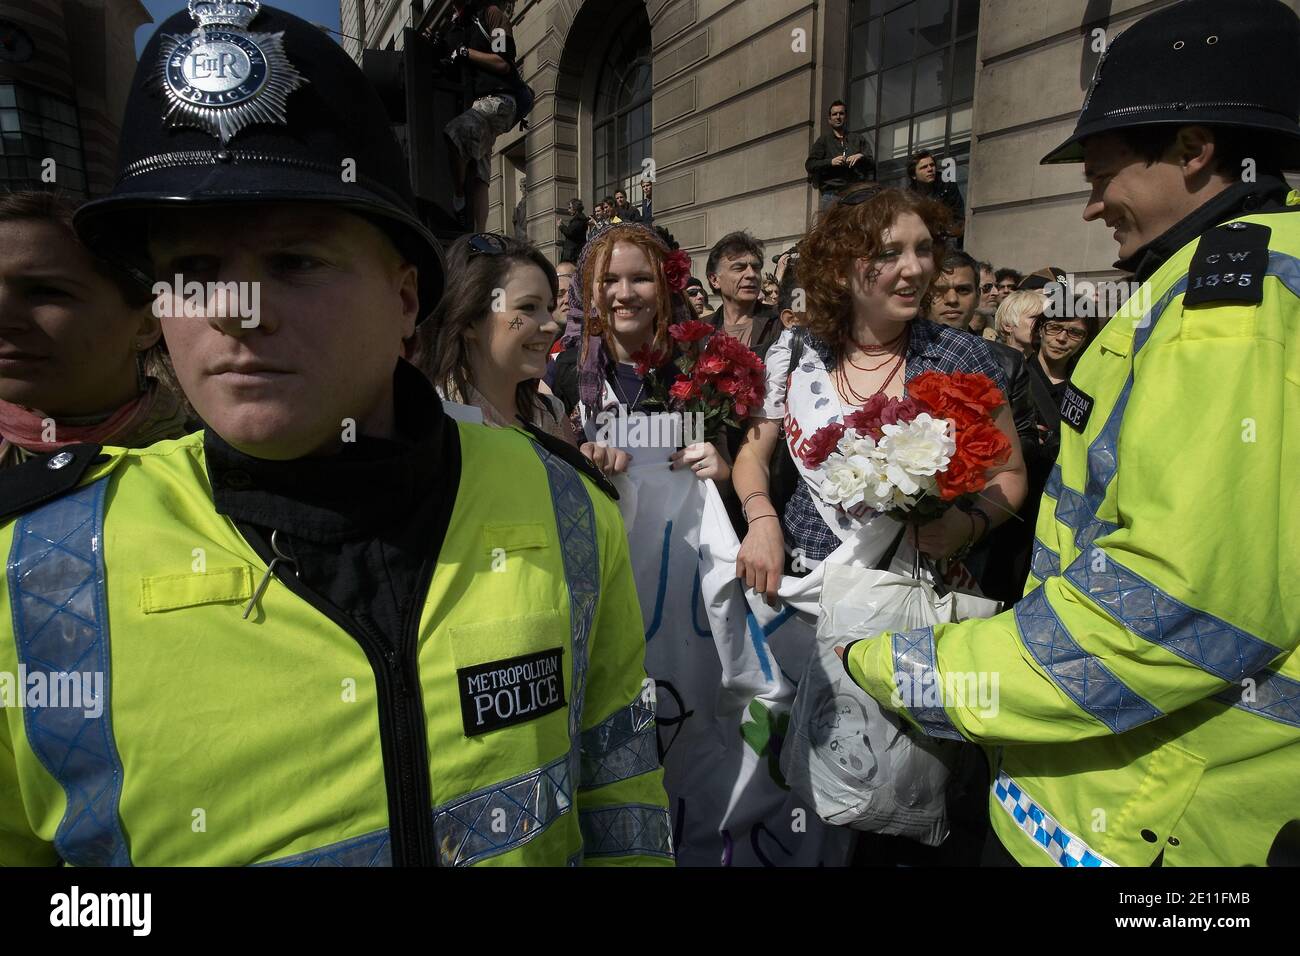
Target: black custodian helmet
{"type": "Point", "coordinates": [234, 102]}
{"type": "Point", "coordinates": [1205, 62]}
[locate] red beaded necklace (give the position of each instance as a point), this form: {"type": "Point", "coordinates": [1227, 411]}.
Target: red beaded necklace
{"type": "Point", "coordinates": [884, 348]}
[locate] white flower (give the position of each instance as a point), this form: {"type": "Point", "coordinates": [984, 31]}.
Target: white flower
{"type": "Point", "coordinates": [845, 481]}
{"type": "Point", "coordinates": [916, 450]}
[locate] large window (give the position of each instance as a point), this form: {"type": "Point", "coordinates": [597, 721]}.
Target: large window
{"type": "Point", "coordinates": [621, 126]}
{"type": "Point", "coordinates": [913, 80]}
{"type": "Point", "coordinates": [35, 126]}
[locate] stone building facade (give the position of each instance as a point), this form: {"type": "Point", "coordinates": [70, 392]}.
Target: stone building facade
{"type": "Point", "coordinates": [736, 91]}
{"type": "Point", "coordinates": [65, 70]}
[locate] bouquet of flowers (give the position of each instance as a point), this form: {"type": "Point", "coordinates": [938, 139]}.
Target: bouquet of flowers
{"type": "Point", "coordinates": [721, 380]}
{"type": "Point", "coordinates": [912, 458]}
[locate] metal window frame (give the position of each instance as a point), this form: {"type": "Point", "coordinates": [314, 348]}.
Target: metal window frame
{"type": "Point", "coordinates": [959, 149]}
{"type": "Point", "coordinates": [615, 119]}
{"type": "Point", "coordinates": [31, 128]}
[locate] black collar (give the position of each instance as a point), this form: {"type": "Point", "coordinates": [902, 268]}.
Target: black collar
{"type": "Point", "coordinates": [371, 483]}
{"type": "Point", "coordinates": [1267, 192]}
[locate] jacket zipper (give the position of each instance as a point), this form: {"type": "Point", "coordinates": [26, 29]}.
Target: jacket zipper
{"type": "Point", "coordinates": [403, 733]}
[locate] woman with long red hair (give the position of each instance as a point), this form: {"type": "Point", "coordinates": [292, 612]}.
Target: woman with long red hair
{"type": "Point", "coordinates": [629, 291]}
{"type": "Point", "coordinates": [865, 269]}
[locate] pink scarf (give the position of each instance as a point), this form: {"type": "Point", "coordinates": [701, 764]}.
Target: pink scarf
{"type": "Point", "coordinates": [155, 415]}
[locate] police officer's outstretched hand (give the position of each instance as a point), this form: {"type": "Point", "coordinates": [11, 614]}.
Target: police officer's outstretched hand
{"type": "Point", "coordinates": [611, 461]}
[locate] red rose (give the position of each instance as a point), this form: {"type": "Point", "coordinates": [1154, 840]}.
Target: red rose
{"type": "Point", "coordinates": [683, 390]}
{"type": "Point", "coordinates": [823, 441]}
{"type": "Point", "coordinates": [677, 270]}
{"type": "Point", "coordinates": [692, 331]}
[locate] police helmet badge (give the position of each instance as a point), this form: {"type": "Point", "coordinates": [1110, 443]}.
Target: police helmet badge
{"type": "Point", "coordinates": [222, 78]}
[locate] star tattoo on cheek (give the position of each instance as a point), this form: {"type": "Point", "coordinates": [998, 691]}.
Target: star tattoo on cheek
{"type": "Point", "coordinates": [516, 323]}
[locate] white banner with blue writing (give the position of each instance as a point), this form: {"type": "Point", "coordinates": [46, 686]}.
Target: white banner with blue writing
{"type": "Point", "coordinates": [725, 667]}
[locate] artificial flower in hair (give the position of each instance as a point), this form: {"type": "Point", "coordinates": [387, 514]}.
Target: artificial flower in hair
{"type": "Point", "coordinates": [677, 270]}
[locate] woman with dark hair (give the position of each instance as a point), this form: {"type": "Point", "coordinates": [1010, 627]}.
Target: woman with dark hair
{"type": "Point", "coordinates": [487, 342]}
{"type": "Point", "coordinates": [1055, 345]}
{"type": "Point", "coordinates": [81, 358]}
{"type": "Point", "coordinates": [865, 269]}
{"type": "Point", "coordinates": [624, 304]}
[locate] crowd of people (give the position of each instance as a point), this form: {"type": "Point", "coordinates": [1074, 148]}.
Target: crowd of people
{"type": "Point", "coordinates": [351, 469]}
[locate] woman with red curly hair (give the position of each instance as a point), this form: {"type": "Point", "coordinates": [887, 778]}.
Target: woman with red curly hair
{"type": "Point", "coordinates": [630, 290]}
{"type": "Point", "coordinates": [865, 269]}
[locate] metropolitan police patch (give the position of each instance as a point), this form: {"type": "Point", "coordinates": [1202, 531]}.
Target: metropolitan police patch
{"type": "Point", "coordinates": [502, 693]}
{"type": "Point", "coordinates": [222, 78]}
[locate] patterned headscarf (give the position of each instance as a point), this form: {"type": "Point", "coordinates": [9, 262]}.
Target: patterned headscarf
{"type": "Point", "coordinates": [593, 370]}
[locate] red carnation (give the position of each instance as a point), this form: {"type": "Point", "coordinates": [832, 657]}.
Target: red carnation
{"type": "Point", "coordinates": [692, 331]}
{"type": "Point", "coordinates": [683, 390]}
{"type": "Point", "coordinates": [710, 365]}
{"type": "Point", "coordinates": [823, 441]}
{"type": "Point", "coordinates": [964, 397]}
{"type": "Point", "coordinates": [983, 445]}
{"type": "Point", "coordinates": [962, 476]}
{"type": "Point", "coordinates": [677, 270]}
{"type": "Point", "coordinates": [646, 358]}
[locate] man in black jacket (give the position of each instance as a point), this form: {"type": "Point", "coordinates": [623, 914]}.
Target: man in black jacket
{"type": "Point", "coordinates": [838, 161]}
{"type": "Point", "coordinates": [574, 231]}
{"type": "Point", "coordinates": [925, 179]}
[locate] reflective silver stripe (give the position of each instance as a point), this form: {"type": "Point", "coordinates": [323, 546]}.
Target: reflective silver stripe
{"type": "Point", "coordinates": [370, 849]}
{"type": "Point", "coordinates": [1207, 641]}
{"type": "Point", "coordinates": [914, 665]}
{"type": "Point", "coordinates": [1087, 681]}
{"type": "Point", "coordinates": [501, 817]}
{"type": "Point", "coordinates": [1045, 561]}
{"type": "Point", "coordinates": [1271, 695]}
{"type": "Point", "coordinates": [622, 746]}
{"type": "Point", "coordinates": [60, 626]}
{"type": "Point", "coordinates": [1212, 644]}
{"type": "Point", "coordinates": [628, 829]}
{"type": "Point", "coordinates": [576, 521]}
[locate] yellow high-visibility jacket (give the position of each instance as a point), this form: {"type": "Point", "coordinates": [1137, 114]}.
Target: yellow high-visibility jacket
{"type": "Point", "coordinates": [215, 740]}
{"type": "Point", "coordinates": [1148, 686]}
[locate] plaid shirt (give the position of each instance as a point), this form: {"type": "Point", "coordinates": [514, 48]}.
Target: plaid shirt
{"type": "Point", "coordinates": [932, 348]}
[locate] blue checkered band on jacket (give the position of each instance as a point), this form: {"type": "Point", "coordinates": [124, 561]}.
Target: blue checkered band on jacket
{"type": "Point", "coordinates": [622, 746]}
{"type": "Point", "coordinates": [60, 626]}
{"type": "Point", "coordinates": [628, 829]}
{"type": "Point", "coordinates": [1056, 841]}
{"type": "Point", "coordinates": [931, 348]}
